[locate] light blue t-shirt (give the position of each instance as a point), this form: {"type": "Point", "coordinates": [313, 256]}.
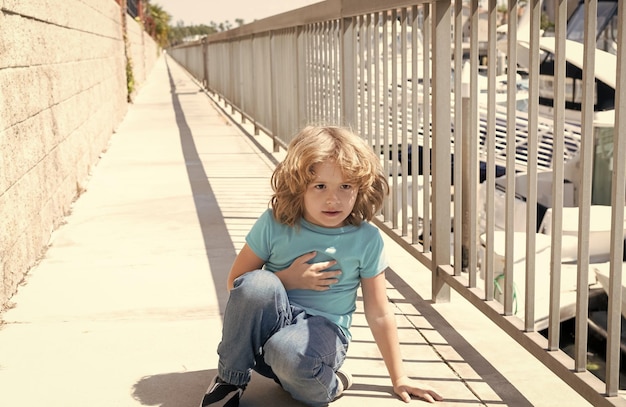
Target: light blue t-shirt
{"type": "Point", "coordinates": [358, 251]}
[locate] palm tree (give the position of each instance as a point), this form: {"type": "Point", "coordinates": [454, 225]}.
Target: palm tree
{"type": "Point", "coordinates": [157, 23]}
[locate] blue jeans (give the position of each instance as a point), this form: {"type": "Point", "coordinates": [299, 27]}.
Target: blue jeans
{"type": "Point", "coordinates": [264, 332]}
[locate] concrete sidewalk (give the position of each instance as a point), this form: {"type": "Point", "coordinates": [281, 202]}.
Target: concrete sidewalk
{"type": "Point", "coordinates": [125, 307]}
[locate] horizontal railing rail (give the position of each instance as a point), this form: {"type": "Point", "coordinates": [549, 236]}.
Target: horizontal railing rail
{"type": "Point", "coordinates": [513, 202]}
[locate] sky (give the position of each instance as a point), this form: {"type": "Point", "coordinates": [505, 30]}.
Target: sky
{"type": "Point", "coordinates": [196, 12]}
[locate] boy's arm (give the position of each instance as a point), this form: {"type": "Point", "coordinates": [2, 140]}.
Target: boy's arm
{"type": "Point", "coordinates": [245, 261]}
{"type": "Point", "coordinates": [299, 275]}
{"type": "Point", "coordinates": [308, 276]}
{"type": "Point", "coordinates": [382, 322]}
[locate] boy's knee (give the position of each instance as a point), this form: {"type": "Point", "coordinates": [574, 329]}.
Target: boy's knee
{"type": "Point", "coordinates": [306, 378]}
{"type": "Point", "coordinates": [258, 289]}
{"type": "Point", "coordinates": [257, 282]}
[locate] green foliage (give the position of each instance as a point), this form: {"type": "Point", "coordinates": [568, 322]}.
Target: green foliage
{"type": "Point", "coordinates": [180, 32]}
{"type": "Point", "coordinates": [159, 21]}
{"type": "Point", "coordinates": [167, 34]}
{"type": "Point", "coordinates": [130, 78]}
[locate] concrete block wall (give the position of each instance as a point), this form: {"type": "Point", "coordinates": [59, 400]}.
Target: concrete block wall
{"type": "Point", "coordinates": [62, 94]}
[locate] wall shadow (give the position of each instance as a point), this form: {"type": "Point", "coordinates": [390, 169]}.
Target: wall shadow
{"type": "Point", "coordinates": [210, 217]}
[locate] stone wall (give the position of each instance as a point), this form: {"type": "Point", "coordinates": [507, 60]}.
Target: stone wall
{"type": "Point", "coordinates": [63, 92]}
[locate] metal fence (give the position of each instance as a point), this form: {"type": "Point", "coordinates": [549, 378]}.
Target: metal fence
{"type": "Point", "coordinates": [507, 183]}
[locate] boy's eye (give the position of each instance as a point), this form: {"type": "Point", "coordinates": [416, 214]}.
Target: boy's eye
{"type": "Point", "coordinates": [319, 186]}
{"type": "Point", "coordinates": [346, 186]}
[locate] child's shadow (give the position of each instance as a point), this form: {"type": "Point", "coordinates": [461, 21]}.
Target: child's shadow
{"type": "Point", "coordinates": [186, 389]}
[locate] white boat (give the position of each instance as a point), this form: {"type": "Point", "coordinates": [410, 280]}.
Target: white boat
{"type": "Point", "coordinates": [602, 273]}
{"type": "Point", "coordinates": [542, 278]}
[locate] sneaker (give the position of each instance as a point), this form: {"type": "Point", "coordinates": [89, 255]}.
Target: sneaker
{"type": "Point", "coordinates": [222, 394]}
{"type": "Point", "coordinates": [345, 382]}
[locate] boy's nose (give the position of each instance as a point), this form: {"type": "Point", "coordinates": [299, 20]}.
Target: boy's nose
{"type": "Point", "coordinates": [331, 198]}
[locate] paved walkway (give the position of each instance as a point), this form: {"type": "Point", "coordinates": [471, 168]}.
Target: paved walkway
{"type": "Point", "coordinates": [125, 308]}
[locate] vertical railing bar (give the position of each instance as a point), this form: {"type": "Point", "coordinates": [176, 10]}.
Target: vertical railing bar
{"type": "Point", "coordinates": [295, 86]}
{"type": "Point", "coordinates": [458, 144]}
{"type": "Point", "coordinates": [319, 82]}
{"type": "Point", "coordinates": [509, 250]}
{"type": "Point", "coordinates": [278, 87]}
{"type": "Point", "coordinates": [278, 84]}
{"type": "Point", "coordinates": [326, 69]}
{"type": "Point", "coordinates": [489, 256]}
{"type": "Point", "coordinates": [268, 74]}
{"type": "Point", "coordinates": [337, 50]}
{"type": "Point", "coordinates": [313, 73]}
{"type": "Point", "coordinates": [323, 73]}
{"type": "Point", "coordinates": [441, 119]}
{"type": "Point", "coordinates": [618, 184]}
{"type": "Point", "coordinates": [285, 90]}
{"type": "Point", "coordinates": [234, 66]}
{"type": "Point", "coordinates": [333, 79]}
{"type": "Point", "coordinates": [426, 137]}
{"type": "Point", "coordinates": [301, 69]}
{"type": "Point", "coordinates": [394, 117]}
{"type": "Point", "coordinates": [385, 116]}
{"type": "Point", "coordinates": [316, 66]}
{"type": "Point", "coordinates": [376, 84]}
{"type": "Point", "coordinates": [328, 63]}
{"type": "Point", "coordinates": [288, 102]}
{"type": "Point", "coordinates": [368, 59]}
{"type": "Point", "coordinates": [585, 193]}
{"type": "Point", "coordinates": [320, 72]}
{"type": "Point", "coordinates": [241, 76]}
{"type": "Point", "coordinates": [274, 58]}
{"type": "Point", "coordinates": [254, 78]}
{"type": "Point", "coordinates": [277, 55]}
{"type": "Point", "coordinates": [359, 74]}
{"type": "Point", "coordinates": [226, 72]}
{"type": "Point", "coordinates": [332, 40]}
{"type": "Point", "coordinates": [245, 77]}
{"type": "Point", "coordinates": [554, 320]}
{"type": "Point", "coordinates": [217, 67]}
{"type": "Point", "coordinates": [362, 51]}
{"type": "Point", "coordinates": [531, 194]}
{"type": "Point", "coordinates": [331, 70]}
{"type": "Point", "coordinates": [472, 144]}
{"type": "Point", "coordinates": [415, 123]}
{"type": "Point", "coordinates": [348, 70]}
{"type": "Point", "coordinates": [249, 105]}
{"type": "Point", "coordinates": [307, 72]}
{"type": "Point", "coordinates": [404, 121]}
{"type": "Point", "coordinates": [322, 77]}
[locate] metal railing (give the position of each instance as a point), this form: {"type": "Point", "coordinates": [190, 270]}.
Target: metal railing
{"type": "Point", "coordinates": [407, 76]}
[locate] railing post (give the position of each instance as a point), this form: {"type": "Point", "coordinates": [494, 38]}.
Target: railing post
{"type": "Point", "coordinates": [441, 122]}
{"type": "Point", "coordinates": [274, 104]}
{"type": "Point", "coordinates": [300, 44]}
{"type": "Point", "coordinates": [465, 163]}
{"type": "Point", "coordinates": [348, 73]}
{"type": "Point", "coordinates": [205, 63]}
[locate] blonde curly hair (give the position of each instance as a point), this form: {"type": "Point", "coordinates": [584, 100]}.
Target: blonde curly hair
{"type": "Point", "coordinates": [317, 144]}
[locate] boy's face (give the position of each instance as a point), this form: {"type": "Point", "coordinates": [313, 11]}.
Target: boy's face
{"type": "Point", "coordinates": [329, 198]}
